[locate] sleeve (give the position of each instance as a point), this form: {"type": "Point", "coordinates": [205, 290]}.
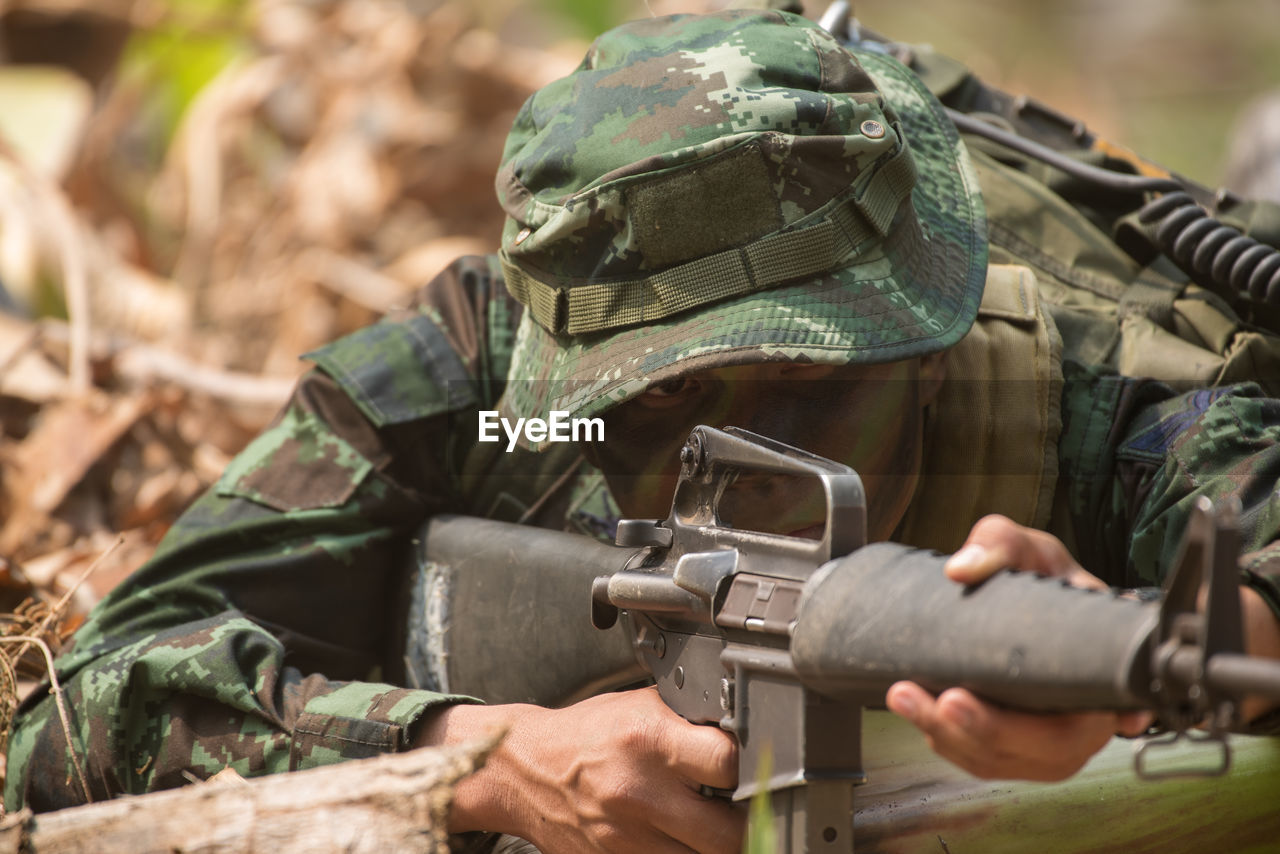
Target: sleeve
{"type": "Point", "coordinates": [258, 635]}
{"type": "Point", "coordinates": [1139, 457]}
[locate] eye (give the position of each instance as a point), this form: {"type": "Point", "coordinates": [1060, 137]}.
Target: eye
{"type": "Point", "coordinates": [669, 388]}
{"type": "Point", "coordinates": [669, 392]}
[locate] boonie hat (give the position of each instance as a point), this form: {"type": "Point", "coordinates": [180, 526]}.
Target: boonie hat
{"type": "Point", "coordinates": [716, 190]}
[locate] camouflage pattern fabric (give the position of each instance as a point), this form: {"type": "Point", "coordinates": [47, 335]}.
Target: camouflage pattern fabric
{"type": "Point", "coordinates": [747, 166]}
{"type": "Point", "coordinates": [262, 634]}
{"type": "Point", "coordinates": [211, 655]}
{"type": "Point", "coordinates": [1134, 458]}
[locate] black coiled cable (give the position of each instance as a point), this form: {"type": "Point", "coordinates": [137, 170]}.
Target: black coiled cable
{"type": "Point", "coordinates": [1215, 255]}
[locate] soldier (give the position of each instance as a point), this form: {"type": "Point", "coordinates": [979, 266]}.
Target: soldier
{"type": "Point", "coordinates": [727, 219]}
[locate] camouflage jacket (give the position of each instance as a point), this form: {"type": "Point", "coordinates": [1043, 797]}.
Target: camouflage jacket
{"type": "Point", "coordinates": [212, 654]}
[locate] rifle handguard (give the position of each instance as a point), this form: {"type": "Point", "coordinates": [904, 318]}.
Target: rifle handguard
{"type": "Point", "coordinates": [887, 612]}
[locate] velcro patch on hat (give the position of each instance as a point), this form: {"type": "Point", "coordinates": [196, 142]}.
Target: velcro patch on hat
{"type": "Point", "coordinates": [723, 202]}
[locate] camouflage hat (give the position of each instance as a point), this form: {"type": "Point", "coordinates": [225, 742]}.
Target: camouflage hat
{"type": "Point", "coordinates": [716, 190]}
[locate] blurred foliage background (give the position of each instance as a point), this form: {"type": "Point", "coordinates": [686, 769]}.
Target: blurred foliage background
{"type": "Point", "coordinates": [1167, 78]}
{"type": "Point", "coordinates": [195, 192]}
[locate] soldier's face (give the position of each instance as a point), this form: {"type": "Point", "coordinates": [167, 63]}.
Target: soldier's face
{"type": "Point", "coordinates": [867, 417]}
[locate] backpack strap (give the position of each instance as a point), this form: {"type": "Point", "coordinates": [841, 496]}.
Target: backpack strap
{"type": "Point", "coordinates": [1153, 292]}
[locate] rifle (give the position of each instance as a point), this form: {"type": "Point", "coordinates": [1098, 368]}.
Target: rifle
{"type": "Point", "coordinates": [782, 641]}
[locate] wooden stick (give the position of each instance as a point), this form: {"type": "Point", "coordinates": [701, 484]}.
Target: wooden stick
{"type": "Point", "coordinates": [144, 363]}
{"type": "Point", "coordinates": [385, 805]}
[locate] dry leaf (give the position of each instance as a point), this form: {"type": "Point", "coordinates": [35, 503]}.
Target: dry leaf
{"type": "Point", "coordinates": [71, 436]}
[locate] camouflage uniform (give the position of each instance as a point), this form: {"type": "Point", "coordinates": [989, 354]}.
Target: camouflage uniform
{"type": "Point", "coordinates": [290, 567]}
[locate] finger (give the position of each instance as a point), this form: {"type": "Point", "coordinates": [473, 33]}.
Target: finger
{"type": "Point", "coordinates": [974, 562]}
{"type": "Point", "coordinates": [996, 542]}
{"type": "Point", "coordinates": [1133, 724]}
{"type": "Point", "coordinates": [991, 742]}
{"type": "Point", "coordinates": [706, 825]}
{"type": "Point", "coordinates": [704, 755]}
{"type": "Point", "coordinates": [1000, 743]}
{"type": "Point", "coordinates": [907, 700]}
{"type": "Point", "coordinates": [615, 839]}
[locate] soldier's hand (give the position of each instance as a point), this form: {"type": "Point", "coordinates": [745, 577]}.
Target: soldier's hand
{"type": "Point", "coordinates": [616, 773]}
{"type": "Point", "coordinates": [997, 542]}
{"type": "Point", "coordinates": [993, 742]}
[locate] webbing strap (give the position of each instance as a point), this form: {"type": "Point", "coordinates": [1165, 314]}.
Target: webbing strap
{"type": "Point", "coordinates": [1153, 293]}
{"type": "Point", "coordinates": [771, 260]}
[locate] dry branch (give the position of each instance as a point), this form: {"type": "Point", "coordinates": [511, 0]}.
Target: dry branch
{"type": "Point", "coordinates": [385, 805]}
{"type": "Point", "coordinates": [143, 364]}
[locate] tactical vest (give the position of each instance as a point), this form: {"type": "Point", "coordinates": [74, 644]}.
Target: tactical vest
{"type": "Point", "coordinates": [1059, 287]}
{"type": "Point", "coordinates": [992, 432]}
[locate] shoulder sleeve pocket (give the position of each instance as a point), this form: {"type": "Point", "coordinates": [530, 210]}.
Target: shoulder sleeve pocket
{"type": "Point", "coordinates": [399, 370]}
{"type": "Point", "coordinates": [297, 464]}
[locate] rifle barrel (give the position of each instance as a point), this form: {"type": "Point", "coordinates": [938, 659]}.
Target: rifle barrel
{"type": "Point", "coordinates": [1238, 675]}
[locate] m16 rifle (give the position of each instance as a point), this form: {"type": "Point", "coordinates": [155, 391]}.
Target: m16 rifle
{"type": "Point", "coordinates": [782, 640]}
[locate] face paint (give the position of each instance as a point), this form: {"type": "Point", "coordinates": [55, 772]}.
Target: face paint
{"type": "Point", "coordinates": [868, 417]}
